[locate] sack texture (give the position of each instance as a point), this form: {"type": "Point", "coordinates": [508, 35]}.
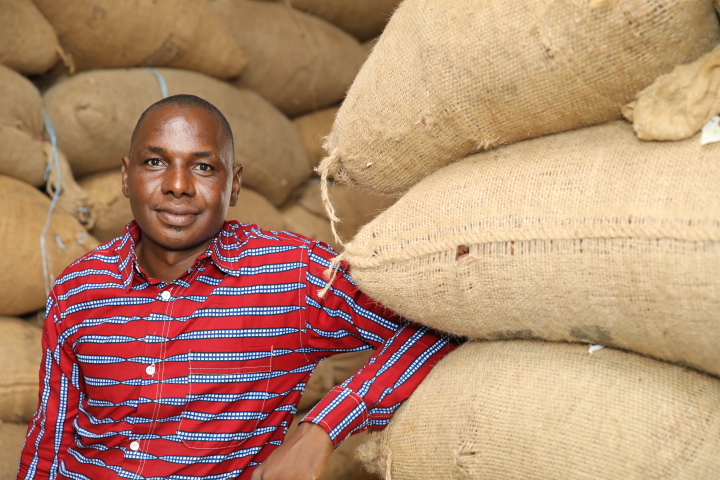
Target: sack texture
{"type": "Point", "coordinates": [28, 43]}
{"type": "Point", "coordinates": [363, 20]}
{"type": "Point", "coordinates": [678, 104]}
{"type": "Point", "coordinates": [21, 124]}
{"type": "Point", "coordinates": [21, 279]}
{"type": "Point", "coordinates": [12, 439]}
{"type": "Point", "coordinates": [112, 208]}
{"type": "Point", "coordinates": [314, 127]}
{"type": "Point", "coordinates": [20, 354]}
{"type": "Point", "coordinates": [520, 410]}
{"type": "Point", "coordinates": [129, 33]}
{"type": "Point", "coordinates": [450, 78]}
{"type": "Point", "coordinates": [95, 112]}
{"type": "Point", "coordinates": [590, 235]}
{"type": "Point", "coordinates": [298, 62]}
{"type": "Point", "coordinates": [254, 208]}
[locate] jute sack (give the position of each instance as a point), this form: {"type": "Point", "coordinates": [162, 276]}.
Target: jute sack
{"type": "Point", "coordinates": [20, 354]}
{"type": "Point", "coordinates": [313, 128]}
{"type": "Point", "coordinates": [22, 278]}
{"type": "Point", "coordinates": [21, 124]}
{"type": "Point", "coordinates": [343, 464]}
{"type": "Point", "coordinates": [363, 20]}
{"type": "Point", "coordinates": [72, 197]}
{"type": "Point", "coordinates": [95, 112]}
{"type": "Point", "coordinates": [300, 220]}
{"type": "Point", "coordinates": [254, 208]}
{"type": "Point", "coordinates": [520, 410]}
{"type": "Point", "coordinates": [677, 105]}
{"type": "Point", "coordinates": [590, 235]}
{"type": "Point", "coordinates": [450, 78]}
{"type": "Point", "coordinates": [12, 439]}
{"type": "Point", "coordinates": [128, 33]}
{"type": "Point", "coordinates": [354, 206]}
{"type": "Point", "coordinates": [112, 208]}
{"type": "Point", "coordinates": [28, 43]}
{"type": "Point", "coordinates": [298, 62]}
{"type": "Point", "coordinates": [330, 373]}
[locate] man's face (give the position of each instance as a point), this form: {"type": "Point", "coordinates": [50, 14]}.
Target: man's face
{"type": "Point", "coordinates": [179, 177]}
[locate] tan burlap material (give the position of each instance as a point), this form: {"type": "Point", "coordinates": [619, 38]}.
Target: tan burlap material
{"type": "Point", "coordinates": [73, 198]}
{"type": "Point", "coordinates": [22, 280]}
{"type": "Point", "coordinates": [314, 127]}
{"type": "Point", "coordinates": [127, 33]}
{"type": "Point", "coordinates": [590, 235]}
{"type": "Point", "coordinates": [363, 20]}
{"type": "Point", "coordinates": [21, 124]}
{"type": "Point", "coordinates": [330, 373]}
{"type": "Point", "coordinates": [535, 410]}
{"type": "Point", "coordinates": [20, 354]}
{"type": "Point", "coordinates": [28, 43]}
{"type": "Point", "coordinates": [254, 208]}
{"type": "Point", "coordinates": [298, 62]}
{"type": "Point", "coordinates": [355, 206]}
{"type": "Point", "coordinates": [449, 78]}
{"type": "Point", "coordinates": [112, 208]}
{"type": "Point", "coordinates": [12, 438]}
{"type": "Point", "coordinates": [299, 219]}
{"type": "Point", "coordinates": [95, 112]}
{"type": "Point", "coordinates": [343, 464]}
{"type": "Point", "coordinates": [677, 105]}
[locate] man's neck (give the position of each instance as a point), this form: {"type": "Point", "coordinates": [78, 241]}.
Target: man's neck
{"type": "Point", "coordinates": [165, 265]}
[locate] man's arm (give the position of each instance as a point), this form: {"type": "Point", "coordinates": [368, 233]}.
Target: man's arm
{"type": "Point", "coordinates": [51, 431]}
{"type": "Point", "coordinates": [347, 319]}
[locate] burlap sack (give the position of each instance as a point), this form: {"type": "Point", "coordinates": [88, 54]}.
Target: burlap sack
{"type": "Point", "coordinates": [453, 77]}
{"type": "Point", "coordinates": [112, 208]}
{"type": "Point", "coordinates": [254, 208]}
{"type": "Point", "coordinates": [12, 439]}
{"type": "Point", "coordinates": [314, 127]}
{"type": "Point", "coordinates": [300, 220]}
{"type": "Point", "coordinates": [20, 354]}
{"type": "Point", "coordinates": [330, 373]}
{"type": "Point", "coordinates": [363, 20]}
{"type": "Point", "coordinates": [28, 43]}
{"type": "Point", "coordinates": [343, 464]}
{"type": "Point", "coordinates": [591, 235]}
{"type": "Point", "coordinates": [73, 198]}
{"type": "Point", "coordinates": [95, 112]}
{"type": "Point", "coordinates": [298, 62]}
{"type": "Point", "coordinates": [354, 206]}
{"type": "Point", "coordinates": [677, 105]}
{"type": "Point", "coordinates": [22, 281]}
{"type": "Point", "coordinates": [21, 125]}
{"type": "Point", "coordinates": [521, 410]}
{"type": "Point", "coordinates": [128, 33]}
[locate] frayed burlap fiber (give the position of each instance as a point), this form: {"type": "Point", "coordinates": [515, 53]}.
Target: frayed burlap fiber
{"type": "Point", "coordinates": [94, 114]}
{"type": "Point", "coordinates": [534, 410]}
{"type": "Point", "coordinates": [175, 34]}
{"type": "Point", "coordinates": [450, 78]}
{"type": "Point", "coordinates": [590, 235]}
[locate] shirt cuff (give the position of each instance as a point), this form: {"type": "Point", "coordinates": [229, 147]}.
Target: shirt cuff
{"type": "Point", "coordinates": [341, 413]}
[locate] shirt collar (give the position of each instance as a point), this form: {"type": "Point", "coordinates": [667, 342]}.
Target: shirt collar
{"type": "Point", "coordinates": [224, 251]}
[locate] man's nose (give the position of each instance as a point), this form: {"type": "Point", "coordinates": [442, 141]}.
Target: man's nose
{"type": "Point", "coordinates": [178, 181]}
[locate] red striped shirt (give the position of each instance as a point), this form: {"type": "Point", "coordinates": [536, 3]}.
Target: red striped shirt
{"type": "Point", "coordinates": [200, 378]}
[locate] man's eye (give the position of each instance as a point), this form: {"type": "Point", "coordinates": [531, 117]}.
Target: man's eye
{"type": "Point", "coordinates": [204, 167]}
{"type": "Point", "coordinates": [155, 162]}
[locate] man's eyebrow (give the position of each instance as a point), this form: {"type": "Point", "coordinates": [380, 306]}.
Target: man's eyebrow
{"type": "Point", "coordinates": [204, 154]}
{"type": "Point", "coordinates": [154, 149]}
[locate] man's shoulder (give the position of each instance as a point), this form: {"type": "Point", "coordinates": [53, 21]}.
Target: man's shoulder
{"type": "Point", "coordinates": [256, 237]}
{"type": "Point", "coordinates": [108, 259]}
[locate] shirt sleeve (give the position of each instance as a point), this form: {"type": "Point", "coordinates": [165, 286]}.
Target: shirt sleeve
{"type": "Point", "coordinates": [346, 319]}
{"type": "Point", "coordinates": [51, 429]}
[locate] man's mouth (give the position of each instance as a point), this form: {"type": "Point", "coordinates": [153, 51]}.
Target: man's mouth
{"type": "Point", "coordinates": [177, 216]}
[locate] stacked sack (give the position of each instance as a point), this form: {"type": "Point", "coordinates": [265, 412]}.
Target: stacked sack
{"type": "Point", "coordinates": [579, 260]}
{"type": "Point", "coordinates": [277, 72]}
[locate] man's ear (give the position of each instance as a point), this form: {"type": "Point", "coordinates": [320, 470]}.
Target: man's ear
{"type": "Point", "coordinates": [236, 183]}
{"type": "Point", "coordinates": [125, 164]}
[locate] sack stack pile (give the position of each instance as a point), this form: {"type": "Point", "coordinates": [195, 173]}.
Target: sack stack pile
{"type": "Point", "coordinates": [578, 259]}
{"type": "Point", "coordinates": [73, 82]}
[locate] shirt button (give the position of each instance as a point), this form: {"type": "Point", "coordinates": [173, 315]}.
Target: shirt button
{"type": "Point", "coordinates": [135, 446]}
{"type": "Point", "coordinates": [150, 370]}
{"type": "Point", "coordinates": [165, 295]}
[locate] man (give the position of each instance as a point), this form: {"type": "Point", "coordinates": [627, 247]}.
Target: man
{"type": "Point", "coordinates": [180, 350]}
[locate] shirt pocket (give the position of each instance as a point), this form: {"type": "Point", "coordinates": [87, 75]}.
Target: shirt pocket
{"type": "Point", "coordinates": [226, 399]}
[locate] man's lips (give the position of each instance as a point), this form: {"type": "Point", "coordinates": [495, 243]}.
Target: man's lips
{"type": "Point", "coordinates": [177, 215]}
